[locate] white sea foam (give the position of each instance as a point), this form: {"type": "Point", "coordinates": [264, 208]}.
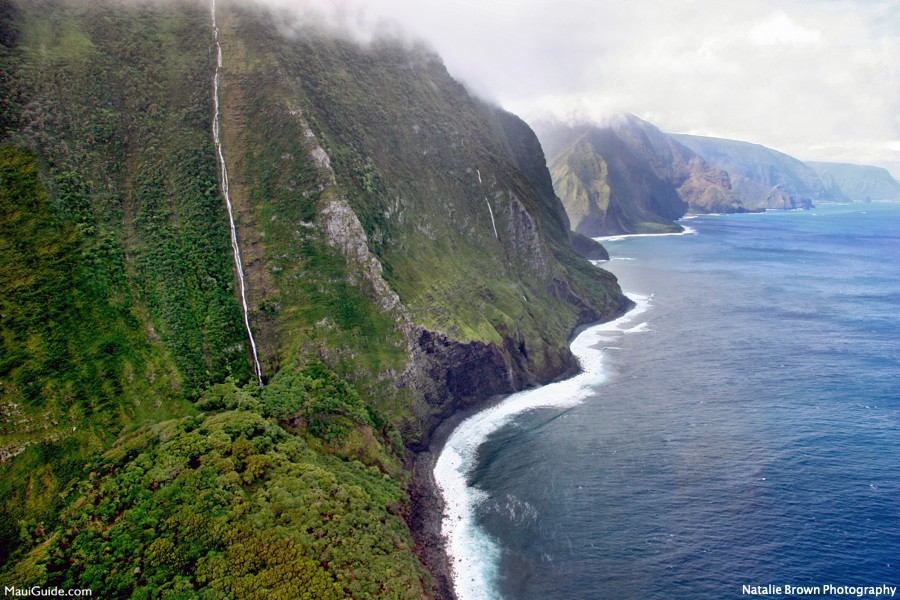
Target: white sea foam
{"type": "Point", "coordinates": [473, 553]}
{"type": "Point", "coordinates": [641, 328]}
{"type": "Point", "coordinates": [615, 238]}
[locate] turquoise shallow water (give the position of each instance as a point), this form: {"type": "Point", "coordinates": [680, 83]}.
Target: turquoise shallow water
{"type": "Point", "coordinates": [746, 432]}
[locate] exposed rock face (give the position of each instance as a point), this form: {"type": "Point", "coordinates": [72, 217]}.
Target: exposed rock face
{"type": "Point", "coordinates": [626, 176]}
{"type": "Point", "coordinates": [439, 208]}
{"type": "Point", "coordinates": [760, 177]}
{"type": "Point", "coordinates": [704, 187]}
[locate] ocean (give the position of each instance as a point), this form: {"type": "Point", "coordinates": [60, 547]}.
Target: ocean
{"type": "Point", "coordinates": [735, 434]}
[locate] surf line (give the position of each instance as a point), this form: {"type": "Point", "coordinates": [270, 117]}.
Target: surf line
{"type": "Point", "coordinates": [687, 230]}
{"type": "Point", "coordinates": [223, 172]}
{"type": "Point", "coordinates": [474, 555]}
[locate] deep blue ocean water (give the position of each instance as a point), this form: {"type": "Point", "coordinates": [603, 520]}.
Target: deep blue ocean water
{"type": "Point", "coordinates": [746, 431]}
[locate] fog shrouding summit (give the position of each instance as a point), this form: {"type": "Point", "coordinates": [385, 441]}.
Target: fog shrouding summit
{"type": "Point", "coordinates": [817, 79]}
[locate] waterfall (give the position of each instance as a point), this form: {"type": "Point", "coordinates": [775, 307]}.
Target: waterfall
{"type": "Point", "coordinates": [225, 193]}
{"type": "Point", "coordinates": [490, 210]}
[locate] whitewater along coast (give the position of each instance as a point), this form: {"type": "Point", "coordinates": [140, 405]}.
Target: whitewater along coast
{"type": "Point", "coordinates": [445, 503]}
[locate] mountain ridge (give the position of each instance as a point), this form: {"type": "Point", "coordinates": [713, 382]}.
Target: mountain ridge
{"type": "Point", "coordinates": [624, 175]}
{"type": "Point", "coordinates": [762, 177]}
{"type": "Point", "coordinates": [627, 176]}
{"type": "Point", "coordinates": [857, 183]}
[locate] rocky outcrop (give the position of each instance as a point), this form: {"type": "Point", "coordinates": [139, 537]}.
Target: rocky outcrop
{"type": "Point", "coordinates": [761, 177]}
{"type": "Point", "coordinates": [588, 248]}
{"type": "Point", "coordinates": [627, 176]}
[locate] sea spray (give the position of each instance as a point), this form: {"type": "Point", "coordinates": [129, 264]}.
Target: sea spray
{"type": "Point", "coordinates": [473, 554]}
{"type": "Point", "coordinates": [226, 194]}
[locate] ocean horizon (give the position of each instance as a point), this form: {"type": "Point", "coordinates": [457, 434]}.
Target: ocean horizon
{"type": "Point", "coordinates": [736, 430]}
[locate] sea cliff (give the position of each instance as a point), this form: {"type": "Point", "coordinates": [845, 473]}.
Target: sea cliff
{"type": "Point", "coordinates": [404, 258]}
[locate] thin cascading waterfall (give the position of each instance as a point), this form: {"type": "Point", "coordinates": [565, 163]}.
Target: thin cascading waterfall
{"type": "Point", "coordinates": [223, 172]}
{"type": "Point", "coordinates": [490, 210]}
{"type": "Point", "coordinates": [493, 223]}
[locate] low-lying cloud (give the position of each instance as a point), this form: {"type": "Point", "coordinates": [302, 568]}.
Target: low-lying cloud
{"type": "Point", "coordinates": [815, 78]}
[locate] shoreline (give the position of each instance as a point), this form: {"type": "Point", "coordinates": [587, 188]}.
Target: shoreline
{"type": "Point", "coordinates": [686, 230]}
{"type": "Point", "coordinates": [426, 514]}
{"type": "Point", "coordinates": [427, 503]}
{"type": "Point", "coordinates": [430, 509]}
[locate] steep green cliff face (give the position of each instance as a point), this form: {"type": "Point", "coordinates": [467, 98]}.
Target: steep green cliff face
{"type": "Point", "coordinates": [629, 177]}
{"type": "Point", "coordinates": [405, 254]}
{"type": "Point", "coordinates": [117, 298]}
{"type": "Point", "coordinates": [456, 251]}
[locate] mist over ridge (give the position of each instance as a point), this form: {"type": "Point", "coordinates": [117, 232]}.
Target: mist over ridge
{"type": "Point", "coordinates": [817, 81]}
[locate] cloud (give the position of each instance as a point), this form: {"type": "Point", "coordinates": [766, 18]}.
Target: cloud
{"type": "Point", "coordinates": [780, 29]}
{"type": "Point", "coordinates": [818, 76]}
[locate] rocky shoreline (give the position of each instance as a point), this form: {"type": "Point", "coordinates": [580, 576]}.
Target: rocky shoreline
{"type": "Point", "coordinates": [426, 502]}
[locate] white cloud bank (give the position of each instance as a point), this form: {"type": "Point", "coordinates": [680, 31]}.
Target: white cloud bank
{"type": "Point", "coordinates": [819, 79]}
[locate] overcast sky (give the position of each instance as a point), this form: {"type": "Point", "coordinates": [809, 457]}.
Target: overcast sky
{"type": "Point", "coordinates": [818, 79]}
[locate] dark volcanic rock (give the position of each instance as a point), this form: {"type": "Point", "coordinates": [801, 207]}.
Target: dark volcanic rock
{"type": "Point", "coordinates": [588, 248]}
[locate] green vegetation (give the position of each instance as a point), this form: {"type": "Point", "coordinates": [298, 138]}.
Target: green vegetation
{"type": "Point", "coordinates": [116, 291]}
{"type": "Point", "coordinates": [124, 131]}
{"type": "Point", "coordinates": [232, 505]}
{"type": "Point", "coordinates": [407, 146]}
{"type": "Point", "coordinates": [582, 181]}
{"type": "Point", "coordinates": [137, 460]}
{"type": "Point", "coordinates": [75, 363]}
